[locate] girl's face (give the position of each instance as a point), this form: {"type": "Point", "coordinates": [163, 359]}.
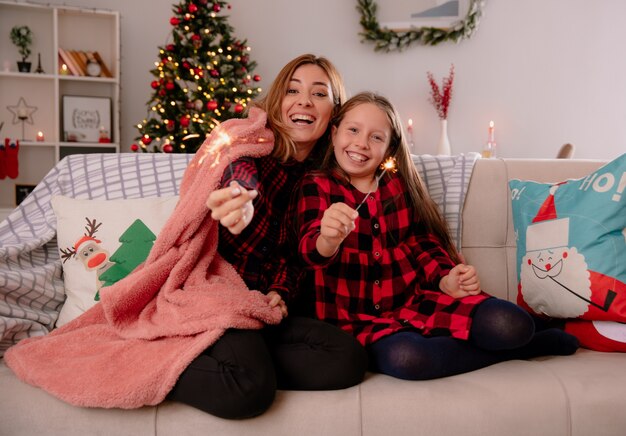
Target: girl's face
{"type": "Point", "coordinates": [307, 107]}
{"type": "Point", "coordinates": [361, 141]}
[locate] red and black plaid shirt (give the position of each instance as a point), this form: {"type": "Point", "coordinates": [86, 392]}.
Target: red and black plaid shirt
{"type": "Point", "coordinates": [385, 276]}
{"type": "Point", "coordinates": [260, 253]}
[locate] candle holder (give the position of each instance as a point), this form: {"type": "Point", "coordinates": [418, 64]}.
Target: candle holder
{"type": "Point", "coordinates": [489, 150]}
{"type": "Point", "coordinates": [22, 113]}
{"type": "Point", "coordinates": [409, 130]}
{"type": "Point", "coordinates": [23, 119]}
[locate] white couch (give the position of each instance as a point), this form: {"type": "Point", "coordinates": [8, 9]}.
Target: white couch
{"type": "Point", "coordinates": [579, 395]}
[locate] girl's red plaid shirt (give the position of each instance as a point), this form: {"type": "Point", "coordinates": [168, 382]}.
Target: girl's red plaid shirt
{"type": "Point", "coordinates": [385, 276]}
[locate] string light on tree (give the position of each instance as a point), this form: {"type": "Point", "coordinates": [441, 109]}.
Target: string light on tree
{"type": "Point", "coordinates": [201, 78]}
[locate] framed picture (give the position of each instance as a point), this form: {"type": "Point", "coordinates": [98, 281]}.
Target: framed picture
{"type": "Point", "coordinates": [85, 119]}
{"type": "Point", "coordinates": [21, 192]}
{"type": "Point", "coordinates": [401, 15]}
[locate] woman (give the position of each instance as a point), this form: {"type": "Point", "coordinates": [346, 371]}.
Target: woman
{"type": "Point", "coordinates": [237, 377]}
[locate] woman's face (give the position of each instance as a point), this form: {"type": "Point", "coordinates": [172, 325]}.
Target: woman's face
{"type": "Point", "coordinates": [307, 107]}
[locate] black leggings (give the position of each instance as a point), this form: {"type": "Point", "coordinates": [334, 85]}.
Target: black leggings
{"type": "Point", "coordinates": [238, 376]}
{"type": "Point", "coordinates": [500, 331]}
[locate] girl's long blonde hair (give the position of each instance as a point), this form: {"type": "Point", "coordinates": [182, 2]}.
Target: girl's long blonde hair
{"type": "Point", "coordinates": [284, 147]}
{"type": "Point", "coordinates": [425, 209]}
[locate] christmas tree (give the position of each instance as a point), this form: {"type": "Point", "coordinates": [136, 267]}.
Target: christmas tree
{"type": "Point", "coordinates": [136, 243]}
{"type": "Point", "coordinates": [202, 78]}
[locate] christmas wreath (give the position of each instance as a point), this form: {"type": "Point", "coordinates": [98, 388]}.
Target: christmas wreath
{"type": "Point", "coordinates": [389, 40]}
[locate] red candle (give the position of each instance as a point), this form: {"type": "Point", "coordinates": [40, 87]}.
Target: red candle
{"type": "Point", "coordinates": [40, 137]}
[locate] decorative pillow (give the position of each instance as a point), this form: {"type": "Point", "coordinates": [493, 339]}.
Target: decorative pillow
{"type": "Point", "coordinates": [101, 241]}
{"type": "Point", "coordinates": [571, 247]}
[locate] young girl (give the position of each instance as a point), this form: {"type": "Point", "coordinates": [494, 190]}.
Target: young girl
{"type": "Point", "coordinates": [385, 268]}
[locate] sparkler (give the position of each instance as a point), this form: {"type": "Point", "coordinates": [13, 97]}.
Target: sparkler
{"type": "Point", "coordinates": [388, 164]}
{"type": "Point", "coordinates": [215, 148]}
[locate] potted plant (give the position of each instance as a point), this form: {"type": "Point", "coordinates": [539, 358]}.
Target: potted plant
{"type": "Point", "coordinates": [22, 37]}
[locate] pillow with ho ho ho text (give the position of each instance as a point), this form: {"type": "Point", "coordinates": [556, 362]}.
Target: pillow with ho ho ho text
{"type": "Point", "coordinates": [571, 251]}
{"type": "Point", "coordinates": [101, 242]}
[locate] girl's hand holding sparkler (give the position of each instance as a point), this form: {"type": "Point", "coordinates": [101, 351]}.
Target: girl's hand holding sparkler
{"type": "Point", "coordinates": [388, 164]}
{"type": "Point", "coordinates": [232, 207]}
{"type": "Point", "coordinates": [337, 222]}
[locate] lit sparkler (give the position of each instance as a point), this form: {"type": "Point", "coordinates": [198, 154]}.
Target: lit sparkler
{"type": "Point", "coordinates": [215, 148]}
{"type": "Point", "coordinates": [388, 164]}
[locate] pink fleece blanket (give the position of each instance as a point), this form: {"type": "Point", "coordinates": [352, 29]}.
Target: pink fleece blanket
{"type": "Point", "coordinates": [128, 350]}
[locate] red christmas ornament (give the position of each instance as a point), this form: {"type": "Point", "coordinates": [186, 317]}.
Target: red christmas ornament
{"type": "Point", "coordinates": [184, 121]}
{"type": "Point", "coordinates": [154, 84]}
{"type": "Point", "coordinates": [169, 125]}
{"type": "Point", "coordinates": [238, 108]}
{"type": "Point", "coordinates": [203, 2]}
{"type": "Point", "coordinates": [146, 140]}
{"type": "Point", "coordinates": [211, 105]}
{"type": "Point", "coordinates": [134, 147]}
{"type": "Point", "coordinates": [167, 148]}
{"type": "Point", "coordinates": [169, 86]}
{"type": "Point", "coordinates": [196, 37]}
{"type": "Point", "coordinates": [186, 65]}
{"type": "Point", "coordinates": [257, 78]}
{"type": "Point", "coordinates": [215, 73]}
{"type": "Point", "coordinates": [169, 47]}
{"type": "Point", "coordinates": [174, 21]}
{"type": "Point", "coordinates": [162, 92]}
{"type": "Point", "coordinates": [193, 8]}
{"type": "Point", "coordinates": [227, 105]}
{"type": "Point", "coordinates": [216, 7]}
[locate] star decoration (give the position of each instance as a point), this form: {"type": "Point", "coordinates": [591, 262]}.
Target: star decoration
{"type": "Point", "coordinates": [22, 112]}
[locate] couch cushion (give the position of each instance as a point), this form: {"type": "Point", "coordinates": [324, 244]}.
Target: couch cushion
{"type": "Point", "coordinates": [27, 411]}
{"type": "Point", "coordinates": [301, 413]}
{"type": "Point", "coordinates": [510, 398]}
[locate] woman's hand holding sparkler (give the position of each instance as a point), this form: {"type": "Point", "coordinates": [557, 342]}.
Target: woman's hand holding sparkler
{"type": "Point", "coordinates": [232, 207]}
{"type": "Point", "coordinates": [337, 222]}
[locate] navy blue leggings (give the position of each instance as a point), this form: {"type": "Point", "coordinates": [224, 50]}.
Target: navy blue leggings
{"type": "Point", "coordinates": [500, 331]}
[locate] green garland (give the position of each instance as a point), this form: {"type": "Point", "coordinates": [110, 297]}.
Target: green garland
{"type": "Point", "coordinates": [389, 40]}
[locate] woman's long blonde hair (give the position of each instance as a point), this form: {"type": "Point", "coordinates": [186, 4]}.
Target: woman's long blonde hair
{"type": "Point", "coordinates": [426, 211]}
{"type": "Point", "coordinates": [284, 147]}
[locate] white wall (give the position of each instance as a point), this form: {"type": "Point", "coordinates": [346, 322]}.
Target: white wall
{"type": "Point", "coordinates": [547, 72]}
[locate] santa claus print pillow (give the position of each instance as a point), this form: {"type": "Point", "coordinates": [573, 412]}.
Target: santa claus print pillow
{"type": "Point", "coordinates": [571, 248]}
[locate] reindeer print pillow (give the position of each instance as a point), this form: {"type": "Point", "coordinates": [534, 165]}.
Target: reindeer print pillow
{"type": "Point", "coordinates": [571, 252]}
{"type": "Point", "coordinates": [101, 242]}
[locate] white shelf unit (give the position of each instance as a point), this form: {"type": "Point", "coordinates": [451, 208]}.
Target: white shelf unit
{"type": "Point", "coordinates": [53, 26]}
